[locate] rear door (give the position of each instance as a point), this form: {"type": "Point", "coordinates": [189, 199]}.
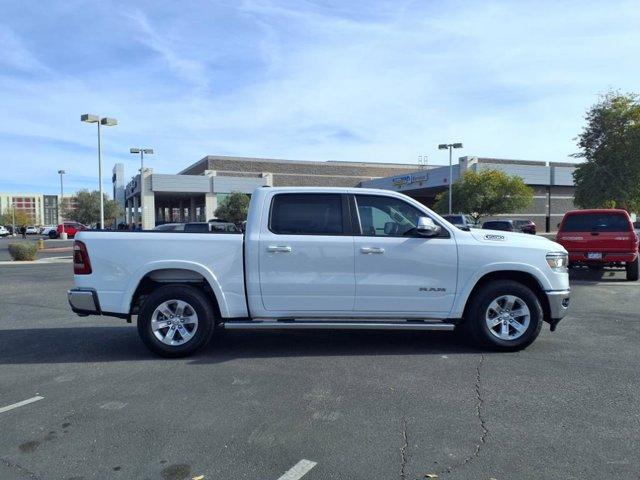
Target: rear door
{"type": "Point", "coordinates": [306, 254]}
{"type": "Point", "coordinates": [592, 235]}
{"type": "Point", "coordinates": [398, 271]}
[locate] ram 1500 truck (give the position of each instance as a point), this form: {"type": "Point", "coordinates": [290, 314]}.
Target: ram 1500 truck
{"type": "Point", "coordinates": [324, 258]}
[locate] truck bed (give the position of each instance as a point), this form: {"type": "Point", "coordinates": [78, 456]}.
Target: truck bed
{"type": "Point", "coordinates": [119, 260]}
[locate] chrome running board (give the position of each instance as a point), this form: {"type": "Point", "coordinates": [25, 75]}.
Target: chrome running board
{"type": "Point", "coordinates": [335, 325]}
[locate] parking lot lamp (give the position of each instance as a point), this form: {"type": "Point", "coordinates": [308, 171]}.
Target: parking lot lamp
{"type": "Point", "coordinates": [141, 151]}
{"type": "Point", "coordinates": [450, 147]}
{"type": "Point", "coordinates": [63, 234]}
{"type": "Point", "coordinates": [107, 122]}
{"type": "Point", "coordinates": [13, 210]}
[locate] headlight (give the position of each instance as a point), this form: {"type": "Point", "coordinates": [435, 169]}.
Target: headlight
{"type": "Point", "coordinates": [558, 261]}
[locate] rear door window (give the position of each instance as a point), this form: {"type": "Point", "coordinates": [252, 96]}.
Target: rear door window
{"type": "Point", "coordinates": [599, 222]}
{"type": "Point", "coordinates": [307, 214]}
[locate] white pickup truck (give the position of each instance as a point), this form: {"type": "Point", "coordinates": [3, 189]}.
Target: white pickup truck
{"type": "Point", "coordinates": [324, 258]}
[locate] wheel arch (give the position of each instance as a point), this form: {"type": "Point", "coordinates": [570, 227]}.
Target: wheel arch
{"type": "Point", "coordinates": [172, 273]}
{"type": "Point", "coordinates": [525, 278]}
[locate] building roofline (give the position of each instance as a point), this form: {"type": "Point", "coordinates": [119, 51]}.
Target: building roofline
{"type": "Point", "coordinates": [300, 162]}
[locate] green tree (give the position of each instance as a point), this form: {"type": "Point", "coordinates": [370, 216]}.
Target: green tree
{"type": "Point", "coordinates": [484, 193]}
{"type": "Point", "coordinates": [86, 208]}
{"type": "Point", "coordinates": [21, 217]}
{"type": "Point", "coordinates": [610, 146]}
{"type": "Point", "coordinates": [234, 208]}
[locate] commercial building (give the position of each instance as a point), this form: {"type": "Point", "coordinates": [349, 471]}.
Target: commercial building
{"type": "Point", "coordinates": [552, 184]}
{"type": "Point", "coordinates": [194, 193]}
{"type": "Point", "coordinates": [40, 209]}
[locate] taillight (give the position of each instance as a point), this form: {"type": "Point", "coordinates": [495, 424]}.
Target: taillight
{"type": "Point", "coordinates": [81, 263]}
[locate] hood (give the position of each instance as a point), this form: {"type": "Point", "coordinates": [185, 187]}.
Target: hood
{"type": "Point", "coordinates": [513, 238]}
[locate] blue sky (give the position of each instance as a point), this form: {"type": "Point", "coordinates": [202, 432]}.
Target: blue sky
{"type": "Point", "coordinates": [310, 80]}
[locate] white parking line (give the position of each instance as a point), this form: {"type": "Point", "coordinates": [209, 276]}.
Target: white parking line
{"type": "Point", "coordinates": [299, 470]}
{"type": "Point", "coordinates": [21, 404]}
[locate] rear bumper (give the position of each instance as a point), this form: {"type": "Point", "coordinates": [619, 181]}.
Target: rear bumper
{"type": "Point", "coordinates": [580, 258]}
{"type": "Point", "coordinates": [84, 301]}
{"type": "Point", "coordinates": [558, 305]}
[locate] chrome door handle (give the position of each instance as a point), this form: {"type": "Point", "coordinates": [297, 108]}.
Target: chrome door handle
{"type": "Point", "coordinates": [279, 248]}
{"type": "Point", "coordinates": [368, 250]}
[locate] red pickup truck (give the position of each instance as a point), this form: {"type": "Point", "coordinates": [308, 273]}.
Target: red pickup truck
{"type": "Point", "coordinates": [599, 238]}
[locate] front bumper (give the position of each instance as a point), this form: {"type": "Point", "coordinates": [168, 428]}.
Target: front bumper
{"type": "Point", "coordinates": [558, 305]}
{"type": "Point", "coordinates": [84, 301]}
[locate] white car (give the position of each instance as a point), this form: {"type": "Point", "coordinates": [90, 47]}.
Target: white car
{"type": "Point", "coordinates": [324, 258]}
{"type": "Point", "coordinates": [3, 231]}
{"type": "Point", "coordinates": [31, 230]}
{"type": "Point", "coordinates": [47, 229]}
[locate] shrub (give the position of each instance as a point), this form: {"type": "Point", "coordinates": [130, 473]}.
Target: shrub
{"type": "Point", "coordinates": [23, 251]}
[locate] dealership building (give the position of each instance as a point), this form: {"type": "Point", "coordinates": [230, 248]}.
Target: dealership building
{"type": "Point", "coordinates": [552, 184]}
{"type": "Point", "coordinates": [194, 193]}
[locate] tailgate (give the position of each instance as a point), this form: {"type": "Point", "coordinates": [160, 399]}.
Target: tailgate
{"type": "Point", "coordinates": [606, 242]}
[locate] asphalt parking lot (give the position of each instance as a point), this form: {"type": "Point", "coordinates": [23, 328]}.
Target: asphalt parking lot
{"type": "Point", "coordinates": [359, 405]}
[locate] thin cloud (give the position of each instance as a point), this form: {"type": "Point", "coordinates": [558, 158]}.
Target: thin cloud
{"type": "Point", "coordinates": [355, 81]}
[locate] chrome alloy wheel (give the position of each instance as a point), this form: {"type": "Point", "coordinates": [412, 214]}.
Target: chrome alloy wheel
{"type": "Point", "coordinates": [174, 322]}
{"type": "Point", "coordinates": [508, 317]}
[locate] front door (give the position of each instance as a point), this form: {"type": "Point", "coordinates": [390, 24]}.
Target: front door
{"type": "Point", "coordinates": [398, 271]}
{"type": "Point", "coordinates": [306, 254]}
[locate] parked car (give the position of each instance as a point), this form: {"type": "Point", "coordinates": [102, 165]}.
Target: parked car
{"type": "Point", "coordinates": [525, 226]}
{"type": "Point", "coordinates": [170, 227]}
{"type": "Point", "coordinates": [3, 231]}
{"type": "Point", "coordinates": [46, 229]}
{"type": "Point", "coordinates": [324, 258]}
{"type": "Point", "coordinates": [504, 225]}
{"type": "Point", "coordinates": [210, 227]}
{"type": "Point", "coordinates": [32, 230]}
{"type": "Point", "coordinates": [600, 238]}
{"type": "Point", "coordinates": [225, 227]}
{"type": "Point", "coordinates": [70, 228]}
{"type": "Point", "coordinates": [461, 221]}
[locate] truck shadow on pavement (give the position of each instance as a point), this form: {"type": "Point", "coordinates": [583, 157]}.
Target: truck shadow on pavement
{"type": "Point", "coordinates": [586, 275]}
{"type": "Point", "coordinates": [113, 344]}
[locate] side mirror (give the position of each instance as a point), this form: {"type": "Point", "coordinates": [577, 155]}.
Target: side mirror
{"type": "Point", "coordinates": [427, 228]}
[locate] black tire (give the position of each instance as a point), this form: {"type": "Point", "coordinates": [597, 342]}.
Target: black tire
{"type": "Point", "coordinates": [632, 270]}
{"type": "Point", "coordinates": [200, 304]}
{"type": "Point", "coordinates": [475, 324]}
{"type": "Point", "coordinates": [53, 234]}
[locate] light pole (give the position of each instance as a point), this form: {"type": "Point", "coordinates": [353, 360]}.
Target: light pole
{"type": "Point", "coordinates": [141, 151]}
{"type": "Point", "coordinates": [63, 234]}
{"type": "Point", "coordinates": [13, 210]}
{"type": "Point", "coordinates": [107, 122]}
{"type": "Point", "coordinates": [450, 147]}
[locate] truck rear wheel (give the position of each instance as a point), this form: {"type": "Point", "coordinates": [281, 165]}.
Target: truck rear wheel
{"type": "Point", "coordinates": [176, 320]}
{"type": "Point", "coordinates": [632, 270]}
{"type": "Point", "coordinates": [504, 315]}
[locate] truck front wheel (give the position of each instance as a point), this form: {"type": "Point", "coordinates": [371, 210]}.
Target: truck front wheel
{"type": "Point", "coordinates": [504, 315]}
{"type": "Point", "coordinates": [176, 320]}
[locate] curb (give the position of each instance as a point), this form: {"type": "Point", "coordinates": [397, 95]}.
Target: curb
{"type": "Point", "coordinates": [41, 261]}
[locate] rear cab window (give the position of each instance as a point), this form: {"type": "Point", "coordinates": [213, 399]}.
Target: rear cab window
{"type": "Point", "coordinates": [597, 222]}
